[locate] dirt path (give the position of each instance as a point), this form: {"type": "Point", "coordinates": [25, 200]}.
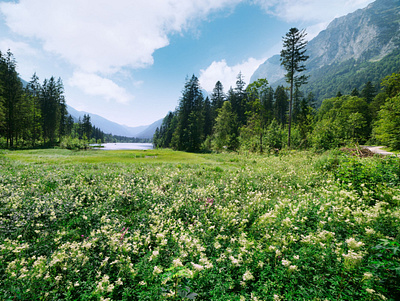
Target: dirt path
{"type": "Point", "coordinates": [378, 150]}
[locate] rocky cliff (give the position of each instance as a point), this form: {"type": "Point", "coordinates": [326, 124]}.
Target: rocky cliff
{"type": "Point", "coordinates": [365, 36]}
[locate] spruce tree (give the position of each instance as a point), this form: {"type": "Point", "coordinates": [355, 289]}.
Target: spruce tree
{"type": "Point", "coordinates": [292, 59]}
{"type": "Point", "coordinates": [281, 105]}
{"type": "Point", "coordinates": [11, 94]}
{"type": "Point", "coordinates": [33, 92]}
{"type": "Point", "coordinates": [189, 135]}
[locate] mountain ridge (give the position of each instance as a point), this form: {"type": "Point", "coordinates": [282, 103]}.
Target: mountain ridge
{"type": "Point", "coordinates": [111, 127]}
{"type": "Point", "coordinates": [355, 48]}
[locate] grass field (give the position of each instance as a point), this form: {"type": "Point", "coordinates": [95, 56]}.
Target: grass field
{"type": "Point", "coordinates": [165, 225]}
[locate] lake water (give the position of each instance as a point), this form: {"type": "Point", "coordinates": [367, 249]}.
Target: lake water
{"type": "Point", "coordinates": [126, 146]}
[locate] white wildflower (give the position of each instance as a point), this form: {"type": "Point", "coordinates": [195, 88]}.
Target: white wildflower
{"type": "Point", "coordinates": [247, 276]}
{"type": "Point", "coordinates": [157, 270]}
{"type": "Point", "coordinates": [177, 263]}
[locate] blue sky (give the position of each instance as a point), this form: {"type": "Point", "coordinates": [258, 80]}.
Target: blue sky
{"type": "Point", "coordinates": [127, 60]}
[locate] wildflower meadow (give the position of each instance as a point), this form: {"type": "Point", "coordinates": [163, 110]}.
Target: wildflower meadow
{"type": "Point", "coordinates": [291, 226]}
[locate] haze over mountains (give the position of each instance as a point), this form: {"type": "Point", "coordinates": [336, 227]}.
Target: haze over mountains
{"type": "Point", "coordinates": [110, 127]}
{"type": "Point", "coordinates": [356, 48]}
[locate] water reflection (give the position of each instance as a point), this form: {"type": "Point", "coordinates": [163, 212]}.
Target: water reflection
{"type": "Point", "coordinates": [125, 146]}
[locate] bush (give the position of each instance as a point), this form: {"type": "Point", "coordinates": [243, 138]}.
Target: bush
{"type": "Point", "coordinates": [74, 143]}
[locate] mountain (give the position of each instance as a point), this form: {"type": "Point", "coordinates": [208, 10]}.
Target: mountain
{"type": "Point", "coordinates": [356, 48]}
{"type": "Point", "coordinates": [110, 127]}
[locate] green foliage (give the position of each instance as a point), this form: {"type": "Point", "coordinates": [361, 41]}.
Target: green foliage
{"type": "Point", "coordinates": [387, 126]}
{"type": "Point", "coordinates": [292, 59]}
{"type": "Point", "coordinates": [376, 176]}
{"type": "Point", "coordinates": [225, 130]}
{"type": "Point", "coordinates": [385, 265]}
{"type": "Point", "coordinates": [225, 226]}
{"type": "Point", "coordinates": [74, 143]}
{"type": "Point", "coordinates": [325, 82]}
{"type": "Point", "coordinates": [344, 119]}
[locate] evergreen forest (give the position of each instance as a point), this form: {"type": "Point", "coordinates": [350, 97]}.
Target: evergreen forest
{"type": "Point", "coordinates": [254, 118]}
{"type": "Point", "coordinates": [35, 115]}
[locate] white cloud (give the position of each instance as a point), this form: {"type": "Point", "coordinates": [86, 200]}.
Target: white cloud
{"type": "Point", "coordinates": [102, 35]}
{"type": "Point", "coordinates": [95, 85]}
{"type": "Point", "coordinates": [221, 71]}
{"type": "Point", "coordinates": [17, 48]}
{"type": "Point", "coordinates": [311, 10]}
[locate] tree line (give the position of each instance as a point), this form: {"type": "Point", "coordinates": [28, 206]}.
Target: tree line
{"type": "Point", "coordinates": [36, 115]}
{"type": "Point", "coordinates": [257, 117]}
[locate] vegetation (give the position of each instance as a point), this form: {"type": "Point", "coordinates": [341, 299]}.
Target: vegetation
{"type": "Point", "coordinates": [256, 119]}
{"type": "Point", "coordinates": [165, 225]}
{"type": "Point", "coordinates": [292, 59]}
{"type": "Point", "coordinates": [36, 115]}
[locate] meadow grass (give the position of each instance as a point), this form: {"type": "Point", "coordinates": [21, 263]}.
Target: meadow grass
{"type": "Point", "coordinates": [63, 156]}
{"type": "Point", "coordinates": [165, 225]}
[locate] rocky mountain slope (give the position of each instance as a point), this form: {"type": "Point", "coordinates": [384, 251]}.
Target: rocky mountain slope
{"type": "Point", "coordinates": [356, 48]}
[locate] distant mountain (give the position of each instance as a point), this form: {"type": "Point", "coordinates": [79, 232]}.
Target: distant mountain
{"type": "Point", "coordinates": [359, 47]}
{"type": "Point", "coordinates": [110, 127]}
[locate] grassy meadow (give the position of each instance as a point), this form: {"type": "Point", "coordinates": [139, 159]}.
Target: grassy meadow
{"type": "Point", "coordinates": [165, 225]}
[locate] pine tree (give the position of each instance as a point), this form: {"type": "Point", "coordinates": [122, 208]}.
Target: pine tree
{"type": "Point", "coordinates": [281, 105]}
{"type": "Point", "coordinates": [217, 96]}
{"type": "Point", "coordinates": [292, 59]}
{"type": "Point", "coordinates": [11, 94]}
{"type": "Point", "coordinates": [86, 126]}
{"type": "Point", "coordinates": [208, 118]}
{"type": "Point", "coordinates": [188, 135]}
{"type": "Point", "coordinates": [239, 105]}
{"type": "Point", "coordinates": [63, 113]}
{"type": "Point", "coordinates": [33, 92]}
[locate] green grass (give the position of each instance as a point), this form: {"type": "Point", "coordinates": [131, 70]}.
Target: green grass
{"type": "Point", "coordinates": [134, 225]}
{"type": "Point", "coordinates": [63, 156]}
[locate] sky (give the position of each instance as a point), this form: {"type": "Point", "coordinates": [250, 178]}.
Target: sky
{"type": "Point", "coordinates": [128, 60]}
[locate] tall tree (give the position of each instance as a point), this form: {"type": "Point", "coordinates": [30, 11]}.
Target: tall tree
{"type": "Point", "coordinates": [240, 105]}
{"type": "Point", "coordinates": [33, 92]}
{"type": "Point", "coordinates": [281, 105]}
{"type": "Point", "coordinates": [208, 118]}
{"type": "Point", "coordinates": [226, 129]}
{"type": "Point", "coordinates": [188, 135]}
{"type": "Point", "coordinates": [50, 106]}
{"type": "Point", "coordinates": [12, 94]}
{"type": "Point", "coordinates": [258, 119]}
{"type": "Point", "coordinates": [86, 126]}
{"type": "Point", "coordinates": [217, 96]}
{"type": "Point", "coordinates": [63, 113]}
{"type": "Point", "coordinates": [292, 59]}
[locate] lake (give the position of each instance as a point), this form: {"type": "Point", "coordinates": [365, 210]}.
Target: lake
{"type": "Point", "coordinates": [126, 146]}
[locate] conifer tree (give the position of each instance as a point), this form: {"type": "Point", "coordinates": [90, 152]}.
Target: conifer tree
{"type": "Point", "coordinates": [33, 92]}
{"type": "Point", "coordinates": [292, 59]}
{"type": "Point", "coordinates": [217, 96]}
{"type": "Point", "coordinates": [281, 105]}
{"type": "Point", "coordinates": [11, 94]}
{"type": "Point", "coordinates": [189, 135]}
{"type": "Point", "coordinates": [208, 118]}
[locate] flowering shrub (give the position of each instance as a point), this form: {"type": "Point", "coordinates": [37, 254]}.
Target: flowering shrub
{"type": "Point", "coordinates": [233, 228]}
